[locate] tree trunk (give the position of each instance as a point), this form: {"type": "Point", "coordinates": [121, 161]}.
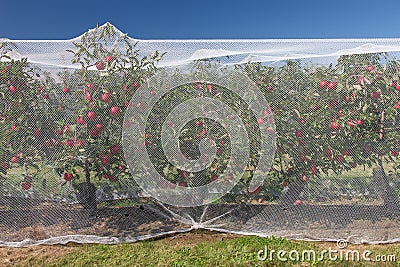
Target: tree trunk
{"type": "Point", "coordinates": [87, 191]}
{"type": "Point", "coordinates": [380, 178]}
{"type": "Point", "coordinates": [381, 182]}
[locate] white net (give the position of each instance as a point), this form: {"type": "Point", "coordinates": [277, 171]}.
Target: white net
{"type": "Point", "coordinates": [109, 139]}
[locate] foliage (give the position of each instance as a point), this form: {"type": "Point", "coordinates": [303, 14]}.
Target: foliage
{"type": "Point", "coordinates": [331, 118]}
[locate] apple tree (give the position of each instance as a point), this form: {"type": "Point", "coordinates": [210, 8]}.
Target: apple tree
{"type": "Point", "coordinates": [96, 97]}
{"type": "Point", "coordinates": [332, 118]}
{"type": "Point", "coordinates": [24, 118]}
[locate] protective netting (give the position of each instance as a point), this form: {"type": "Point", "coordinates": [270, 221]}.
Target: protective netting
{"type": "Point", "coordinates": [109, 139]}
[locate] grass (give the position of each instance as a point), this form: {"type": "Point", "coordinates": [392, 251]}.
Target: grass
{"type": "Point", "coordinates": [202, 249]}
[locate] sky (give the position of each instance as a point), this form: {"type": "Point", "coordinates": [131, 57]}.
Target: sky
{"type": "Point", "coordinates": [205, 19]}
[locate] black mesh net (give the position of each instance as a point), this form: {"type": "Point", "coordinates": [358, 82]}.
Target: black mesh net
{"type": "Point", "coordinates": [109, 139]}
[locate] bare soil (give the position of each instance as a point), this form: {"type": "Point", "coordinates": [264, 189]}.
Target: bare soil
{"type": "Point", "coordinates": [357, 223]}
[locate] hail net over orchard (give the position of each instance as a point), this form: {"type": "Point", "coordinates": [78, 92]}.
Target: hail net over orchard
{"type": "Point", "coordinates": [108, 139]}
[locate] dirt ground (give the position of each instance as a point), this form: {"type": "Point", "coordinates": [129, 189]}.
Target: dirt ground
{"type": "Point", "coordinates": [40, 222]}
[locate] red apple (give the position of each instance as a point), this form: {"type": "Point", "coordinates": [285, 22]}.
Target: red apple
{"type": "Point", "coordinates": [14, 159]}
{"type": "Point", "coordinates": [298, 202]}
{"type": "Point", "coordinates": [114, 111]}
{"type": "Point", "coordinates": [284, 183]}
{"type": "Point", "coordinates": [68, 176]}
{"type": "Point", "coordinates": [329, 154]}
{"type": "Point", "coordinates": [6, 69]}
{"type": "Point", "coordinates": [109, 177]}
{"type": "Point", "coordinates": [351, 123]}
{"type": "Point", "coordinates": [304, 177]}
{"type": "Point", "coordinates": [360, 122]}
{"type": "Point", "coordinates": [335, 125]}
{"type": "Point", "coordinates": [115, 149]}
{"type": "Point", "coordinates": [106, 97]}
{"type": "Point", "coordinates": [315, 107]}
{"type": "Point", "coordinates": [340, 158]}
{"type": "Point", "coordinates": [375, 95]}
{"type": "Point", "coordinates": [66, 90]}
{"type": "Point", "coordinates": [270, 130]}
{"type": "Point", "coordinates": [370, 68]}
{"type": "Point", "coordinates": [26, 186]}
{"type": "Point", "coordinates": [98, 126]}
{"type": "Point", "coordinates": [260, 120]}
{"type": "Point", "coordinates": [394, 153]}
{"type": "Point", "coordinates": [323, 84]}
{"type": "Point", "coordinates": [80, 120]}
{"type": "Point", "coordinates": [93, 132]}
{"type": "Point", "coordinates": [267, 112]}
{"type": "Point", "coordinates": [198, 123]}
{"type": "Point", "coordinates": [13, 128]}
{"type": "Point", "coordinates": [100, 65]}
{"type": "Point", "coordinates": [69, 143]}
{"type": "Point", "coordinates": [361, 80]}
{"type": "Point", "coordinates": [298, 133]}
{"type": "Point", "coordinates": [88, 97]}
{"type": "Point", "coordinates": [13, 89]}
{"type": "Point", "coordinates": [209, 86]}
{"type": "Point", "coordinates": [332, 85]}
{"type": "Point", "coordinates": [109, 58]}
{"type": "Point", "coordinates": [214, 178]}
{"type": "Point", "coordinates": [78, 143]}
{"type": "Point", "coordinates": [397, 106]}
{"type": "Point", "coordinates": [204, 132]}
{"type": "Point", "coordinates": [105, 159]}
{"type": "Point", "coordinates": [269, 88]}
{"type": "Point", "coordinates": [91, 115]}
{"type": "Point", "coordinates": [136, 85]}
{"type": "Point", "coordinates": [90, 87]}
{"type": "Point", "coordinates": [37, 132]}
{"type": "Point", "coordinates": [46, 96]}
